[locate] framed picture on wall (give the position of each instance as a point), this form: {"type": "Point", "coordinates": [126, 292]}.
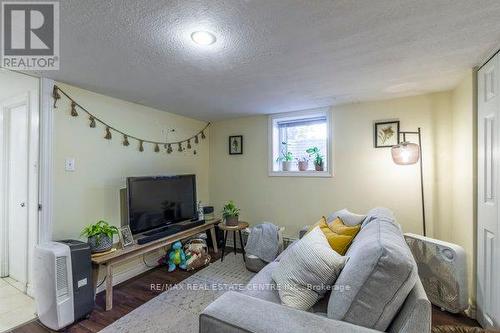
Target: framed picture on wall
{"type": "Point", "coordinates": [126, 237]}
{"type": "Point", "coordinates": [236, 145]}
{"type": "Point", "coordinates": [386, 134]}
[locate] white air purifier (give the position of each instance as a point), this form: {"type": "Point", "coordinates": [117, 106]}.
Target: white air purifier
{"type": "Point", "coordinates": [62, 282]}
{"type": "Point", "coordinates": [442, 268]}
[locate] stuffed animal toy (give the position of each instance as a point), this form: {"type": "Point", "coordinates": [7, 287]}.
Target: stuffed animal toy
{"type": "Point", "coordinates": [196, 253]}
{"type": "Point", "coordinates": [176, 256]}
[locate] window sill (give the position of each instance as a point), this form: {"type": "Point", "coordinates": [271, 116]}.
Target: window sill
{"type": "Point", "coordinates": [324, 174]}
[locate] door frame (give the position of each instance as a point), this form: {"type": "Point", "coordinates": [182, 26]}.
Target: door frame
{"type": "Point", "coordinates": [44, 168]}
{"type": "Point", "coordinates": [488, 207]}
{"type": "Point", "coordinates": [6, 105]}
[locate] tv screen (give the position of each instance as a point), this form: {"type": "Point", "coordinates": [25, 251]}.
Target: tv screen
{"type": "Point", "coordinates": [158, 201]}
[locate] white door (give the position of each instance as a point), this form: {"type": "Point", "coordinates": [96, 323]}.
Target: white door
{"type": "Point", "coordinates": [15, 135]}
{"type": "Point", "coordinates": [488, 255]}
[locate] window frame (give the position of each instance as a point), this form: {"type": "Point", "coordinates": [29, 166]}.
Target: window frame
{"type": "Point", "coordinates": [274, 118]}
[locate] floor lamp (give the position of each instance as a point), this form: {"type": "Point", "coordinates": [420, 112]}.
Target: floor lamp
{"type": "Point", "coordinates": [406, 153]}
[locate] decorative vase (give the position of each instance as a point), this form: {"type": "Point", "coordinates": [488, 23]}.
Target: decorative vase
{"type": "Point", "coordinates": [318, 167]}
{"type": "Point", "coordinates": [232, 221]}
{"type": "Point", "coordinates": [303, 165]}
{"type": "Point", "coordinates": [286, 165]}
{"type": "Point", "coordinates": [104, 244]}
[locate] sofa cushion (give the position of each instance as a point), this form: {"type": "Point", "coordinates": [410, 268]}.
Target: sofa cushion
{"type": "Point", "coordinates": [304, 275]}
{"type": "Point", "coordinates": [377, 278]}
{"type": "Point", "coordinates": [346, 232]}
{"type": "Point", "coordinates": [350, 219]}
{"type": "Point", "coordinates": [338, 234]}
{"type": "Point", "coordinates": [262, 285]}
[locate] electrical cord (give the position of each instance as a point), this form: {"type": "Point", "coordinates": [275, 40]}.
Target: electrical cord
{"type": "Point", "coordinates": [100, 284]}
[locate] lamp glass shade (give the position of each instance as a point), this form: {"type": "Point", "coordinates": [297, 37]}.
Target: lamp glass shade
{"type": "Point", "coordinates": [405, 153]}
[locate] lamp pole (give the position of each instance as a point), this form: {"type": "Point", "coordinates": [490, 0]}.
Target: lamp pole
{"type": "Point", "coordinates": [421, 179]}
{"type": "Point", "coordinates": [419, 134]}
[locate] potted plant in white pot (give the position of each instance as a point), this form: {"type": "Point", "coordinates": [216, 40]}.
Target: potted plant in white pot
{"type": "Point", "coordinates": [303, 163]}
{"type": "Point", "coordinates": [231, 213]}
{"type": "Point", "coordinates": [285, 158]}
{"type": "Point", "coordinates": [319, 163]}
{"type": "Point", "coordinates": [100, 236]}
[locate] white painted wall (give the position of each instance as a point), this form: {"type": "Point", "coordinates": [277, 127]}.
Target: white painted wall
{"type": "Point", "coordinates": [91, 192]}
{"type": "Point", "coordinates": [365, 177]}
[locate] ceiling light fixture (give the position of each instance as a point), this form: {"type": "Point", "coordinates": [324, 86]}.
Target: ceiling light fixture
{"type": "Point", "coordinates": [203, 38]}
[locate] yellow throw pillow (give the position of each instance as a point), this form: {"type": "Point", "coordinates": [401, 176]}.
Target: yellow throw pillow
{"type": "Point", "coordinates": [348, 233]}
{"type": "Point", "coordinates": [339, 235]}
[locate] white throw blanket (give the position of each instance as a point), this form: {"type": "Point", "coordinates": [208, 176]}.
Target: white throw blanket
{"type": "Point", "coordinates": [263, 241]}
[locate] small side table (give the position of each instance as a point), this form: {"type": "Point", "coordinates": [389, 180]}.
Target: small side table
{"type": "Point", "coordinates": [237, 228]}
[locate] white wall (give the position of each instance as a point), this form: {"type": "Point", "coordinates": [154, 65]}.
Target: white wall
{"type": "Point", "coordinates": [365, 177]}
{"type": "Point", "coordinates": [92, 191]}
{"type": "Point", "coordinates": [461, 228]}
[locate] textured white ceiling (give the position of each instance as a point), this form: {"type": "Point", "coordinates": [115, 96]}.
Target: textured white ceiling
{"type": "Point", "coordinates": [271, 55]}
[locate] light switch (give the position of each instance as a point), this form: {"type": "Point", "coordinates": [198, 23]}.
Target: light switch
{"type": "Point", "coordinates": [69, 164]}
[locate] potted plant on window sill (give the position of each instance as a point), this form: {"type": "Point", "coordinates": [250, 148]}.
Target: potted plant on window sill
{"type": "Point", "coordinates": [285, 158]}
{"type": "Point", "coordinates": [303, 163]}
{"type": "Point", "coordinates": [319, 163]}
{"type": "Point", "coordinates": [231, 213]}
{"type": "Point", "coordinates": [100, 236]}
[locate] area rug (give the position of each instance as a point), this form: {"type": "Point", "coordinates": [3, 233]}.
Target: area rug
{"type": "Point", "coordinates": [177, 309]}
{"type": "Point", "coordinates": [459, 329]}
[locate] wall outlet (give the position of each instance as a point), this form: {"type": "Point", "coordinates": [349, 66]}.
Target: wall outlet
{"type": "Point", "coordinates": [69, 164]}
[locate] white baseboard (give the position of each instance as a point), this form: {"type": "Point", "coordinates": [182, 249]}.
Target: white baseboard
{"type": "Point", "coordinates": [471, 311]}
{"type": "Point", "coordinates": [29, 290]}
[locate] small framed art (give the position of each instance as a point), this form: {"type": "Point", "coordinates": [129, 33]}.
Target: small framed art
{"type": "Point", "coordinates": [386, 134]}
{"type": "Point", "coordinates": [126, 237]}
{"type": "Point", "coordinates": [236, 145]}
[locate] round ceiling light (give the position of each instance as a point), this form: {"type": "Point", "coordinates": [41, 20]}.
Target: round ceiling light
{"type": "Point", "coordinates": [203, 38]}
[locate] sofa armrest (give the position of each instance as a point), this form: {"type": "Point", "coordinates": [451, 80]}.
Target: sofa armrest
{"type": "Point", "coordinates": [236, 312]}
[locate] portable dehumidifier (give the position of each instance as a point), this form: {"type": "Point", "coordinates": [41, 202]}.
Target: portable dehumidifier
{"type": "Point", "coordinates": [63, 282]}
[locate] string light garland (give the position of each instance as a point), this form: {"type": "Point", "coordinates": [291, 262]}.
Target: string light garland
{"type": "Point", "coordinates": [73, 109]}
{"type": "Point", "coordinates": [56, 94]}
{"type": "Point", "coordinates": [108, 134]}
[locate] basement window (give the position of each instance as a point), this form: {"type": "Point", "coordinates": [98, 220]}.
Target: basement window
{"type": "Point", "coordinates": [300, 144]}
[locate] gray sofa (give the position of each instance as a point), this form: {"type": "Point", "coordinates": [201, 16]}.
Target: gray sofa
{"type": "Point", "coordinates": [378, 290]}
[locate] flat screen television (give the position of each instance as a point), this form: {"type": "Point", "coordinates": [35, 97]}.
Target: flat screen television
{"type": "Point", "coordinates": [154, 202]}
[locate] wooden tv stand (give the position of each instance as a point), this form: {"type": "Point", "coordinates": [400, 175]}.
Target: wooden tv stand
{"type": "Point", "coordinates": [121, 255]}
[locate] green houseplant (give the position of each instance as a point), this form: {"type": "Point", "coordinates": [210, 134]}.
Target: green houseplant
{"type": "Point", "coordinates": [286, 158]}
{"type": "Point", "coordinates": [319, 163]}
{"type": "Point", "coordinates": [100, 236]}
{"type": "Point", "coordinates": [231, 213]}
